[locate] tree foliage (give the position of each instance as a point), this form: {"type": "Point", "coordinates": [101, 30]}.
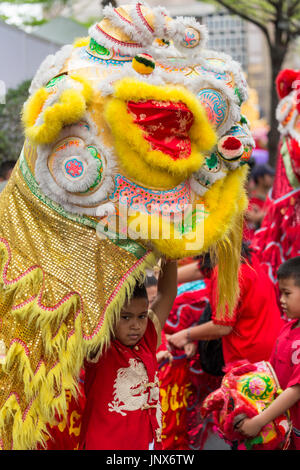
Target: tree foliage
{"type": "Point", "coordinates": [11, 131]}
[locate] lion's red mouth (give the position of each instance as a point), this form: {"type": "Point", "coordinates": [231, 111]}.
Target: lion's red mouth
{"type": "Point", "coordinates": [165, 125]}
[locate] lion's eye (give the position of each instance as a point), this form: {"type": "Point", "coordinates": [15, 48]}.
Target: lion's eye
{"type": "Point", "coordinates": [75, 167]}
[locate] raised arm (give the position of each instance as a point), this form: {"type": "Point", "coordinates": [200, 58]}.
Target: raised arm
{"type": "Point", "coordinates": [166, 291]}
{"type": "Point", "coordinates": [190, 272]}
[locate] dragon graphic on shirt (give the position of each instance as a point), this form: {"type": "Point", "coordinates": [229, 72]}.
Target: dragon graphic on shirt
{"type": "Point", "coordinates": [132, 390]}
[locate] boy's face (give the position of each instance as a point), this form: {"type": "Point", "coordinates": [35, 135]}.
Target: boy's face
{"type": "Point", "coordinates": [133, 322]}
{"type": "Point", "coordinates": [290, 297]}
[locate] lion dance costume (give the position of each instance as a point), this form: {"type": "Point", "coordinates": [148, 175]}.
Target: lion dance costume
{"type": "Point", "coordinates": [278, 239]}
{"type": "Point", "coordinates": [246, 390]}
{"type": "Point", "coordinates": [137, 116]}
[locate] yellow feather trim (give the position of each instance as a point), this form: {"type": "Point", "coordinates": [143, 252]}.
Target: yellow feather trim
{"type": "Point", "coordinates": [57, 373]}
{"type": "Point", "coordinates": [131, 145]}
{"type": "Point", "coordinates": [221, 235]}
{"type": "Point", "coordinates": [69, 109]}
{"type": "Point", "coordinates": [201, 131]}
{"type": "Point", "coordinates": [81, 42]}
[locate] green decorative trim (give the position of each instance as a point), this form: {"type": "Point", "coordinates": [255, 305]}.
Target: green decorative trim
{"type": "Point", "coordinates": [244, 120]}
{"type": "Point", "coordinates": [95, 154]}
{"type": "Point", "coordinates": [101, 50]}
{"type": "Point", "coordinates": [293, 180]}
{"type": "Point", "coordinates": [54, 80]}
{"type": "Point", "coordinates": [212, 161]}
{"type": "Point", "coordinates": [126, 244]}
{"type": "Point", "coordinates": [238, 94]}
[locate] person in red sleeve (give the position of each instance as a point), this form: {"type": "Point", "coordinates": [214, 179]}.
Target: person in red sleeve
{"type": "Point", "coordinates": [123, 410]}
{"type": "Point", "coordinates": [253, 329]}
{"type": "Point", "coordinates": [285, 357]}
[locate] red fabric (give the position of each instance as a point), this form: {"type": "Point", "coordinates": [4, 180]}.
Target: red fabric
{"type": "Point", "coordinates": [188, 308]}
{"type": "Point", "coordinates": [174, 380]}
{"type": "Point", "coordinates": [256, 321]}
{"type": "Point", "coordinates": [183, 385]}
{"type": "Point", "coordinates": [278, 239]}
{"type": "Point", "coordinates": [294, 151]}
{"type": "Point", "coordinates": [110, 423]}
{"type": "Point", "coordinates": [166, 126]}
{"type": "Point", "coordinates": [281, 185]}
{"type": "Point", "coordinates": [65, 436]}
{"type": "Point", "coordinates": [285, 80]}
{"type": "Point", "coordinates": [285, 359]}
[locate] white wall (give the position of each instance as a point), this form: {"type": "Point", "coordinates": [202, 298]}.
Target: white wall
{"type": "Point", "coordinates": [21, 55]}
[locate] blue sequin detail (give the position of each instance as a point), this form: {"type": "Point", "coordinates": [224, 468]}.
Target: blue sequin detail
{"type": "Point", "coordinates": [191, 286]}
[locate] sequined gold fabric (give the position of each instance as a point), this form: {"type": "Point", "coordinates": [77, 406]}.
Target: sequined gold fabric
{"type": "Point", "coordinates": [71, 260]}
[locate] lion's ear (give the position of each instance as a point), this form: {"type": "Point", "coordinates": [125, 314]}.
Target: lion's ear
{"type": "Point", "coordinates": [52, 107]}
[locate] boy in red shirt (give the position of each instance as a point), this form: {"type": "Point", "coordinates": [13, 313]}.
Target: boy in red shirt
{"type": "Point", "coordinates": [285, 357]}
{"type": "Point", "coordinates": [123, 410]}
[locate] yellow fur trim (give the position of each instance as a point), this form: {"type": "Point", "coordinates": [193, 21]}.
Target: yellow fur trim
{"type": "Point", "coordinates": [201, 131]}
{"type": "Point", "coordinates": [27, 431]}
{"type": "Point", "coordinates": [81, 42]}
{"type": "Point", "coordinates": [223, 202]}
{"type": "Point", "coordinates": [45, 388]}
{"type": "Point", "coordinates": [69, 108]}
{"type": "Point", "coordinates": [130, 141]}
{"type": "Point", "coordinates": [138, 169]}
{"type": "Point", "coordinates": [221, 235]}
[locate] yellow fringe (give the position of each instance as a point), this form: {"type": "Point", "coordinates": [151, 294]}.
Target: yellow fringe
{"type": "Point", "coordinates": [69, 109]}
{"type": "Point", "coordinates": [129, 89]}
{"type": "Point", "coordinates": [45, 390]}
{"type": "Point", "coordinates": [112, 315]}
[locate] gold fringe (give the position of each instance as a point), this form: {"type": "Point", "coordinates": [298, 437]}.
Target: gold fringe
{"type": "Point", "coordinates": [45, 390]}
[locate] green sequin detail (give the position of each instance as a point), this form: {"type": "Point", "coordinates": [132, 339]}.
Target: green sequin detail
{"type": "Point", "coordinates": [238, 94]}
{"type": "Point", "coordinates": [55, 80]}
{"type": "Point", "coordinates": [95, 154]}
{"type": "Point", "coordinates": [212, 161]}
{"type": "Point", "coordinates": [101, 50]}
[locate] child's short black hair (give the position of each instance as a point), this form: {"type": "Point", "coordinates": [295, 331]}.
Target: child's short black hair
{"type": "Point", "coordinates": [259, 171]}
{"type": "Point", "coordinates": [140, 292]}
{"type": "Point", "coordinates": [290, 269]}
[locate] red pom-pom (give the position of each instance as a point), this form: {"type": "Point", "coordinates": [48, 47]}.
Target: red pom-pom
{"type": "Point", "coordinates": [285, 80]}
{"type": "Point", "coordinates": [231, 143]}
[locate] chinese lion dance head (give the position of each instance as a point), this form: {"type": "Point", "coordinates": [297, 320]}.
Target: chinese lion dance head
{"type": "Point", "coordinates": [126, 131]}
{"type": "Point", "coordinates": [246, 390]}
{"type": "Point", "coordinates": [278, 238]}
